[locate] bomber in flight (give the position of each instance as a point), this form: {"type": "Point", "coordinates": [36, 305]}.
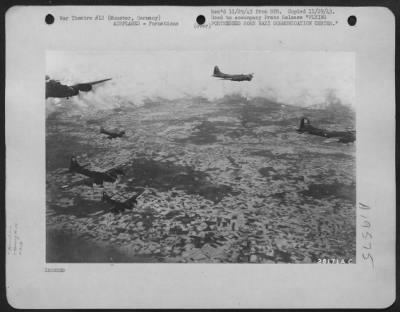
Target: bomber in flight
{"type": "Point", "coordinates": [239, 77]}
{"type": "Point", "coordinates": [112, 134]}
{"type": "Point", "coordinates": [343, 136]}
{"type": "Point", "coordinates": [56, 89]}
{"type": "Point", "coordinates": [95, 177]}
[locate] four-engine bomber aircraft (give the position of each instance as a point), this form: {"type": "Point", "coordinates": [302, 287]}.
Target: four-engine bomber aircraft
{"type": "Point", "coordinates": [240, 77]}
{"type": "Point", "coordinates": [56, 89]}
{"type": "Point", "coordinates": [112, 134]}
{"type": "Point", "coordinates": [343, 136]}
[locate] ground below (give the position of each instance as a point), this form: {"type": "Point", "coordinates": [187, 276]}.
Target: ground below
{"type": "Point", "coordinates": [226, 181]}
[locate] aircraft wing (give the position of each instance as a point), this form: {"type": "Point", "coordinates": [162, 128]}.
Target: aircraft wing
{"type": "Point", "coordinates": [98, 81]}
{"type": "Point", "coordinates": [91, 82]}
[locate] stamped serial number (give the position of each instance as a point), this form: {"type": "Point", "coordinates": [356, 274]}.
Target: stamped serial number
{"type": "Point", "coordinates": [334, 261]}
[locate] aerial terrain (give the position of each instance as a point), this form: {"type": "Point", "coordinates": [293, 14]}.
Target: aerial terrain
{"type": "Point", "coordinates": [228, 180]}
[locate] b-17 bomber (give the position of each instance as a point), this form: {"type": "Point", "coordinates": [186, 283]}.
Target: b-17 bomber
{"type": "Point", "coordinates": [55, 89]}
{"type": "Point", "coordinates": [112, 134]}
{"type": "Point", "coordinates": [238, 77]}
{"type": "Point", "coordinates": [95, 177]}
{"type": "Point", "coordinates": [343, 136]}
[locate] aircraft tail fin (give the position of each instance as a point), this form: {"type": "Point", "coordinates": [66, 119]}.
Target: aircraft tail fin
{"type": "Point", "coordinates": [217, 71]}
{"type": "Point", "coordinates": [304, 122]}
{"type": "Point", "coordinates": [74, 165]}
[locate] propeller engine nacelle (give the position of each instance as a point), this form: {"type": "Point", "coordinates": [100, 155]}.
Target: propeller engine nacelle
{"type": "Point", "coordinates": [85, 87]}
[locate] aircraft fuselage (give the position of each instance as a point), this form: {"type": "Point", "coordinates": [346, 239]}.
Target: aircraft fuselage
{"type": "Point", "coordinates": [241, 77]}
{"type": "Point", "coordinates": [57, 90]}
{"type": "Point", "coordinates": [343, 136]}
{"type": "Point", "coordinates": [234, 77]}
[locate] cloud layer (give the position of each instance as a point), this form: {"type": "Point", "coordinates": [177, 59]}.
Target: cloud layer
{"type": "Point", "coordinates": [296, 78]}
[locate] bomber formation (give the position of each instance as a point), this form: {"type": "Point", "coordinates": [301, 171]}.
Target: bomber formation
{"type": "Point", "coordinates": [204, 212]}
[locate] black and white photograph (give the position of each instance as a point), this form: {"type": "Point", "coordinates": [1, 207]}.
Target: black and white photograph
{"type": "Point", "coordinates": [200, 156]}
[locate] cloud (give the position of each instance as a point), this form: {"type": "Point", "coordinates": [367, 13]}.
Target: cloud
{"type": "Point", "coordinates": [296, 78]}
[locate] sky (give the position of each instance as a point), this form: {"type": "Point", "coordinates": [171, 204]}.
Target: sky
{"type": "Point", "coordinates": [296, 78]}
